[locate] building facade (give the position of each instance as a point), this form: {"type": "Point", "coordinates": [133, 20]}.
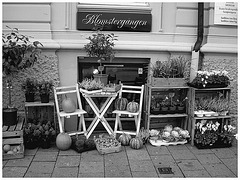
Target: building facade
{"type": "Point", "coordinates": [173, 31]}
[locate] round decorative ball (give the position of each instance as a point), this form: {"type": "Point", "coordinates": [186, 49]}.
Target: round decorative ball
{"type": "Point", "coordinates": [63, 141]}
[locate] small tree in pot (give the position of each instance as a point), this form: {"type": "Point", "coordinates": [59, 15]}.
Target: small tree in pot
{"type": "Point", "coordinates": [101, 46]}
{"type": "Point", "coordinates": [18, 53]}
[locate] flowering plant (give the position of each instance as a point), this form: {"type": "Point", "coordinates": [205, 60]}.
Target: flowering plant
{"type": "Point", "coordinates": [206, 133]}
{"type": "Point", "coordinates": [29, 86]}
{"type": "Point", "coordinates": [205, 79]}
{"type": "Point", "coordinates": [227, 135]}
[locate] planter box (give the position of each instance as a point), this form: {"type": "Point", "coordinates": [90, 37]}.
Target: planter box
{"type": "Point", "coordinates": [168, 82]}
{"type": "Point", "coordinates": [13, 135]}
{"type": "Point", "coordinates": [199, 86]}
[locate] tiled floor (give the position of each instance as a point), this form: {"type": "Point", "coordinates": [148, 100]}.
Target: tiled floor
{"type": "Point", "coordinates": [185, 161]}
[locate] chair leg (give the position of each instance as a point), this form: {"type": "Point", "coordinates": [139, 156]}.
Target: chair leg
{"type": "Point", "coordinates": [61, 124]}
{"type": "Point", "coordinates": [120, 124]}
{"type": "Point", "coordinates": [138, 124]}
{"type": "Point", "coordinates": [116, 125]}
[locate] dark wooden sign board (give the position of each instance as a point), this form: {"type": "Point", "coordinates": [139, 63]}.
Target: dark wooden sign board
{"type": "Point", "coordinates": [130, 22]}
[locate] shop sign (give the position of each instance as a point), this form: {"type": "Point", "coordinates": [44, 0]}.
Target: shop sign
{"type": "Point", "coordinates": [114, 21]}
{"type": "Point", "coordinates": [225, 13]}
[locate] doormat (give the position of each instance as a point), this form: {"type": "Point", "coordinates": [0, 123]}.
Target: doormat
{"type": "Point", "coordinates": [165, 170]}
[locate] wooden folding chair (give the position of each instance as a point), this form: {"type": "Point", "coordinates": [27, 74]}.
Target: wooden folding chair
{"type": "Point", "coordinates": [60, 91]}
{"type": "Point", "coordinates": [134, 116]}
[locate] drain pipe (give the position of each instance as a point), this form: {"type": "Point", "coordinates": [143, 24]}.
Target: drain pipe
{"type": "Point", "coordinates": [197, 46]}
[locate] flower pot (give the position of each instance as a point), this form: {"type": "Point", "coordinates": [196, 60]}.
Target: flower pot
{"type": "Point", "coordinates": [103, 78]}
{"type": "Point", "coordinates": [45, 143]}
{"type": "Point", "coordinates": [44, 98]}
{"type": "Point", "coordinates": [30, 144]}
{"type": "Point", "coordinates": [180, 109]}
{"type": "Point", "coordinates": [9, 116]}
{"type": "Point", "coordinates": [223, 113]}
{"type": "Point", "coordinates": [29, 97]}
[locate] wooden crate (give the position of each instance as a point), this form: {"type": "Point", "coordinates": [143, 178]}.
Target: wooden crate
{"type": "Point", "coordinates": [13, 135]}
{"type": "Point", "coordinates": [168, 82]}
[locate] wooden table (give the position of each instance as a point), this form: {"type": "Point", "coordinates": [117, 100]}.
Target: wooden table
{"type": "Point", "coordinates": [99, 112]}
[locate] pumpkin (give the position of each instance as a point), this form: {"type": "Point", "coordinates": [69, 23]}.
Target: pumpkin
{"type": "Point", "coordinates": [68, 105]}
{"type": "Point", "coordinates": [136, 143]}
{"type": "Point", "coordinates": [121, 104]}
{"type": "Point", "coordinates": [63, 141]}
{"type": "Point", "coordinates": [132, 107]}
{"type": "Point", "coordinates": [124, 139]}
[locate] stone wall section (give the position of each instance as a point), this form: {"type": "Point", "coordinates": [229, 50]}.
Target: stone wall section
{"type": "Point", "coordinates": [46, 68]}
{"type": "Point", "coordinates": [230, 65]}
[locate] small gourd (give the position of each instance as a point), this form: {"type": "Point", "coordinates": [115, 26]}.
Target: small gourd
{"type": "Point", "coordinates": [121, 104]}
{"type": "Point", "coordinates": [136, 143]}
{"type": "Point", "coordinates": [132, 107]}
{"type": "Point", "coordinates": [68, 105]}
{"type": "Point", "coordinates": [63, 141]}
{"type": "Point", "coordinates": [124, 139]}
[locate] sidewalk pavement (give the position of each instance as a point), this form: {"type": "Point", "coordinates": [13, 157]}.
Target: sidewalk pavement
{"type": "Point", "coordinates": [184, 161]}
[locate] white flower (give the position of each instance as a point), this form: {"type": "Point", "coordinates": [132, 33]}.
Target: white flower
{"type": "Point", "coordinates": [95, 71]}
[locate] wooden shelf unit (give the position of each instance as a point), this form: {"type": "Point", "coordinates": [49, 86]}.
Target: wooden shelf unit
{"type": "Point", "coordinates": [147, 104]}
{"type": "Point", "coordinates": [194, 92]}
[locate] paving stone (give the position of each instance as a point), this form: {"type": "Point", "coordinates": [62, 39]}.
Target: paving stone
{"type": "Point", "coordinates": [224, 153]}
{"type": "Point", "coordinates": [195, 150]}
{"type": "Point", "coordinates": [66, 161]}
{"type": "Point", "coordinates": [177, 173]}
{"type": "Point", "coordinates": [218, 170]}
{"type": "Point", "coordinates": [182, 154]}
{"type": "Point", "coordinates": [190, 165]}
{"type": "Point", "coordinates": [91, 167]}
{"type": "Point", "coordinates": [163, 160]}
{"type": "Point", "coordinates": [20, 162]}
{"type": "Point", "coordinates": [70, 152]}
{"type": "Point", "coordinates": [36, 175]}
{"type": "Point", "coordinates": [45, 156]}
{"type": "Point", "coordinates": [115, 158]}
{"type": "Point", "coordinates": [234, 149]}
{"type": "Point", "coordinates": [117, 170]}
{"type": "Point", "coordinates": [144, 174]}
{"type": "Point", "coordinates": [91, 156]}
{"type": "Point", "coordinates": [231, 164]}
{"type": "Point", "coordinates": [142, 165]}
{"type": "Point", "coordinates": [140, 154]}
{"type": "Point", "coordinates": [177, 147]}
{"type": "Point", "coordinates": [208, 158]}
{"type": "Point", "coordinates": [14, 171]}
{"type": "Point", "coordinates": [41, 168]}
{"type": "Point", "coordinates": [30, 151]}
{"type": "Point", "coordinates": [152, 150]}
{"type": "Point", "coordinates": [198, 173]}
{"type": "Point", "coordinates": [65, 172]}
{"type": "Point", "coordinates": [91, 175]}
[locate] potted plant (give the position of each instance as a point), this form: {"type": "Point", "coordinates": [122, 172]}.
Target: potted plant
{"type": "Point", "coordinates": [213, 79]}
{"type": "Point", "coordinates": [45, 88]}
{"type": "Point", "coordinates": [172, 72]}
{"type": "Point", "coordinates": [181, 104]}
{"type": "Point", "coordinates": [90, 86]}
{"type": "Point", "coordinates": [31, 136]}
{"type": "Point", "coordinates": [101, 46]}
{"type": "Point", "coordinates": [227, 135]}
{"type": "Point", "coordinates": [164, 105]}
{"type": "Point", "coordinates": [18, 53]}
{"type": "Point", "coordinates": [29, 86]}
{"type": "Point", "coordinates": [47, 135]}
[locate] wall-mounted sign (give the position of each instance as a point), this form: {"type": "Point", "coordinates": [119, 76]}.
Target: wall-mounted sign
{"type": "Point", "coordinates": [114, 21]}
{"type": "Point", "coordinates": [225, 13]}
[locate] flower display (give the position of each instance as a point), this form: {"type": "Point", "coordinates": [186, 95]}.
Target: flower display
{"type": "Point", "coordinates": [206, 79]}
{"type": "Point", "coordinates": [209, 135]}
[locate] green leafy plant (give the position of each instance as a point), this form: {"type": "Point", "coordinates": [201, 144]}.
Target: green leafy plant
{"type": "Point", "coordinates": [91, 84]}
{"type": "Point", "coordinates": [174, 67]}
{"type": "Point", "coordinates": [18, 52]}
{"type": "Point", "coordinates": [45, 87]}
{"type": "Point", "coordinates": [101, 46]}
{"type": "Point", "coordinates": [29, 86]}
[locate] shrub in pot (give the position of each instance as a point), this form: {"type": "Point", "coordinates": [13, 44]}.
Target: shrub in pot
{"type": "Point", "coordinates": [18, 53]}
{"type": "Point", "coordinates": [45, 88]}
{"type": "Point", "coordinates": [29, 86]}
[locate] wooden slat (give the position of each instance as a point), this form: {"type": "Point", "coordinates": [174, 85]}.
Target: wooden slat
{"type": "Point", "coordinates": [12, 134]}
{"type": "Point", "coordinates": [20, 124]}
{"type": "Point", "coordinates": [5, 128]}
{"type": "Point", "coordinates": [13, 141]}
{"type": "Point", "coordinates": [12, 128]}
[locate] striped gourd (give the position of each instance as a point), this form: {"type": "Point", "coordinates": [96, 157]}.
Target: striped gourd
{"type": "Point", "coordinates": [124, 139]}
{"type": "Point", "coordinates": [132, 107]}
{"type": "Point", "coordinates": [121, 104]}
{"type": "Point", "coordinates": [136, 143]}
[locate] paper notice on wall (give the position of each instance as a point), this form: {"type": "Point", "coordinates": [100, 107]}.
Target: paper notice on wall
{"type": "Point", "coordinates": [226, 13]}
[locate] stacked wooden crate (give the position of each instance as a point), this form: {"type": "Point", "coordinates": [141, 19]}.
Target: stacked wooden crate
{"type": "Point", "coordinates": [13, 136]}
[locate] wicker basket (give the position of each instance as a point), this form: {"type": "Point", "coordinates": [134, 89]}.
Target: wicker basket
{"type": "Point", "coordinates": [106, 148]}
